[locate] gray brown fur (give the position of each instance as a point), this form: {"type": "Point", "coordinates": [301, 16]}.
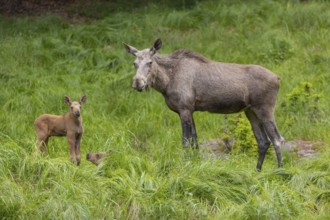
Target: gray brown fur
{"type": "Point", "coordinates": [69, 125]}
{"type": "Point", "coordinates": [190, 82]}
{"type": "Point", "coordinates": [96, 158]}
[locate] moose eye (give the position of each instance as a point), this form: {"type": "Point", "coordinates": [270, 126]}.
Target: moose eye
{"type": "Point", "coordinates": [149, 63]}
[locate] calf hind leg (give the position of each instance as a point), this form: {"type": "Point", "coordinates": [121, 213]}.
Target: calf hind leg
{"type": "Point", "coordinates": [261, 137]}
{"type": "Point", "coordinates": [42, 143]}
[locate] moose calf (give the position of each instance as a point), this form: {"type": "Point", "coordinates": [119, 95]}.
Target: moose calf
{"type": "Point", "coordinates": [95, 158]}
{"type": "Point", "coordinates": [69, 125]}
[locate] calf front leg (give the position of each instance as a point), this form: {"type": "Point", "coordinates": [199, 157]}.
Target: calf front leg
{"type": "Point", "coordinates": [72, 143]}
{"type": "Point", "coordinates": [77, 149]}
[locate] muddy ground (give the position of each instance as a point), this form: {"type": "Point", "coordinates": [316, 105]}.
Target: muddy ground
{"type": "Point", "coordinates": [302, 148]}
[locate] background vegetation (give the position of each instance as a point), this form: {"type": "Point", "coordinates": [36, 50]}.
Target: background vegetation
{"type": "Point", "coordinates": [150, 175]}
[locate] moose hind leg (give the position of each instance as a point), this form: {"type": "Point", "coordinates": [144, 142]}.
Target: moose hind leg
{"type": "Point", "coordinates": [261, 137]}
{"type": "Point", "coordinates": [266, 116]}
{"type": "Point", "coordinates": [275, 138]}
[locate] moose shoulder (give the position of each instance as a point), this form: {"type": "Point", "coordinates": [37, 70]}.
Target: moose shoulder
{"type": "Point", "coordinates": [190, 82]}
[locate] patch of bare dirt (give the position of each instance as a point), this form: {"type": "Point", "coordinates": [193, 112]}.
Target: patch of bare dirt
{"type": "Point", "coordinates": [302, 148]}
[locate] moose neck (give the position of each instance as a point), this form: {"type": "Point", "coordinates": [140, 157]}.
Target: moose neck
{"type": "Point", "coordinates": [160, 74]}
{"type": "Point", "coordinates": [76, 120]}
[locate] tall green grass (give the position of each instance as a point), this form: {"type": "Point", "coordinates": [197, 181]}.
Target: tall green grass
{"type": "Point", "coordinates": [150, 175]}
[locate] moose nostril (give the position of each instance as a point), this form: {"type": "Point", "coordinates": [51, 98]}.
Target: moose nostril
{"type": "Point", "coordinates": [88, 156]}
{"type": "Point", "coordinates": [138, 85]}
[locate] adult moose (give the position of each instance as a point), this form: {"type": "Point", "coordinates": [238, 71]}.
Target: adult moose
{"type": "Point", "coordinates": [190, 82]}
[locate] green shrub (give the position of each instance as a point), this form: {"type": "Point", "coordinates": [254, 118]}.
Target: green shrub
{"type": "Point", "coordinates": [240, 131]}
{"type": "Point", "coordinates": [303, 100]}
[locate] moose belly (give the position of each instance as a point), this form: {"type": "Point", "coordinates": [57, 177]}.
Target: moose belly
{"type": "Point", "coordinates": [224, 106]}
{"type": "Point", "coordinates": [57, 132]}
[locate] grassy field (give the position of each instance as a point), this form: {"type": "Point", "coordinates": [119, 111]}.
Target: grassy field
{"type": "Point", "coordinates": [150, 175]}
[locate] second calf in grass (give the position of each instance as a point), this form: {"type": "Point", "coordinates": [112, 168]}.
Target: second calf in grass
{"type": "Point", "coordinates": [68, 124]}
{"type": "Point", "coordinates": [96, 158]}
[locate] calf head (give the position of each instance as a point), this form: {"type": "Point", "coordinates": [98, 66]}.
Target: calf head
{"type": "Point", "coordinates": [75, 107]}
{"type": "Point", "coordinates": [142, 64]}
{"type": "Point", "coordinates": [95, 158]}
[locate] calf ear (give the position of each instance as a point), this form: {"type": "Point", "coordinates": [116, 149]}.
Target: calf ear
{"type": "Point", "coordinates": [157, 45]}
{"type": "Point", "coordinates": [67, 100]}
{"type": "Point", "coordinates": [130, 49]}
{"type": "Point", "coordinates": [83, 99]}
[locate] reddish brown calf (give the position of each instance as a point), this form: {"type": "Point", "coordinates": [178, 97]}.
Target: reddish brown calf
{"type": "Point", "coordinates": [69, 125]}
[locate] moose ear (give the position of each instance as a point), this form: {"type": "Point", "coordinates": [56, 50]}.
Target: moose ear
{"type": "Point", "coordinates": [130, 49]}
{"type": "Point", "coordinates": [67, 100]}
{"type": "Point", "coordinates": [157, 45]}
{"type": "Point", "coordinates": [83, 99]}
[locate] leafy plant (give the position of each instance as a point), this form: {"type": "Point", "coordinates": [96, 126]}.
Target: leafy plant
{"type": "Point", "coordinates": [241, 136]}
{"type": "Point", "coordinates": [303, 100]}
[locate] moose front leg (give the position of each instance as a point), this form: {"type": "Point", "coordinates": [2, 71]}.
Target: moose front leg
{"type": "Point", "coordinates": [189, 136]}
{"type": "Point", "coordinates": [194, 134]}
